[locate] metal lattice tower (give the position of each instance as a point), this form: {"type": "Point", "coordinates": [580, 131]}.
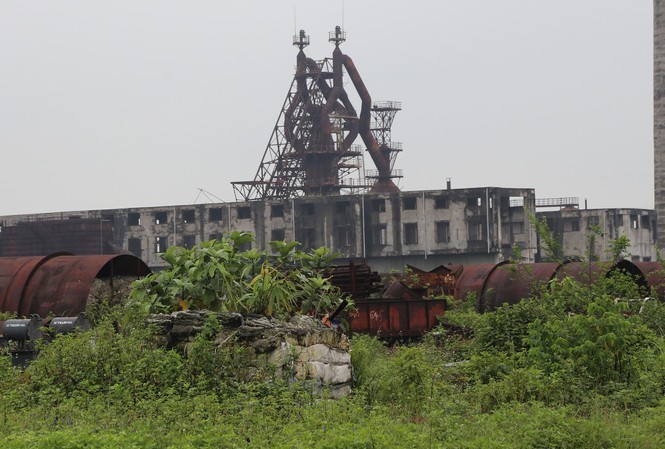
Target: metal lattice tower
{"type": "Point", "coordinates": [310, 151]}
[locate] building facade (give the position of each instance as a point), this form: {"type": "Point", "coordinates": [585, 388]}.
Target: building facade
{"type": "Point", "coordinates": [424, 229]}
{"type": "Point", "coordinates": [588, 233]}
{"type": "Point", "coordinates": [389, 231]}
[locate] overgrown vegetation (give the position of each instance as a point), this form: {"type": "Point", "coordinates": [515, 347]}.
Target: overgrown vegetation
{"type": "Point", "coordinates": [220, 276]}
{"type": "Point", "coordinates": [580, 366]}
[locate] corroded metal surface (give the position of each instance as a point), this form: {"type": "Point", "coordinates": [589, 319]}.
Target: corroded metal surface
{"type": "Point", "coordinates": [509, 283]}
{"type": "Point", "coordinates": [59, 283]}
{"type": "Point", "coordinates": [394, 318]}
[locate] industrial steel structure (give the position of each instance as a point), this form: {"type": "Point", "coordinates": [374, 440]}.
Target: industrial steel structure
{"type": "Point", "coordinates": [311, 151]}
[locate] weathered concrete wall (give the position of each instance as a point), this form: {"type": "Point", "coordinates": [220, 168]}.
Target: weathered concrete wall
{"type": "Point", "coordinates": [571, 226]}
{"type": "Point", "coordinates": [659, 114]}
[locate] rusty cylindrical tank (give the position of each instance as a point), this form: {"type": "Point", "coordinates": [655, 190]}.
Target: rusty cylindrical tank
{"type": "Point", "coordinates": [58, 283]}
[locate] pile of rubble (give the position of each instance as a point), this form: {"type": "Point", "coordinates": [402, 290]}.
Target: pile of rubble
{"type": "Point", "coordinates": [300, 348]}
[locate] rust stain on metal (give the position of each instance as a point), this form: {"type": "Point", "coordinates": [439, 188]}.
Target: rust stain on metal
{"type": "Point", "coordinates": [59, 283]}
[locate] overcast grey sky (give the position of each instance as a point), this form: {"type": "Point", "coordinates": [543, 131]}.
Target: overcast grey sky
{"type": "Point", "coordinates": [129, 103]}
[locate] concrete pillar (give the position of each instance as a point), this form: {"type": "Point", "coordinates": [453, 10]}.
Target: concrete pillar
{"type": "Point", "coordinates": [659, 114]}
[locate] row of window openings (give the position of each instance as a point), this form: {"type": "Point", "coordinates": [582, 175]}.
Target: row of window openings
{"type": "Point", "coordinates": [476, 231]}
{"type": "Point", "coordinates": [440, 202]}
{"type": "Point", "coordinates": [215, 214]}
{"type": "Point", "coordinates": [162, 243]}
{"type": "Point", "coordinates": [344, 236]}
{"type": "Point", "coordinates": [277, 210]}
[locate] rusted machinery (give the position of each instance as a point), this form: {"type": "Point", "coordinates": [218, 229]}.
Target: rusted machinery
{"type": "Point", "coordinates": [310, 151]}
{"type": "Point", "coordinates": [412, 303]}
{"type": "Point", "coordinates": [60, 283]}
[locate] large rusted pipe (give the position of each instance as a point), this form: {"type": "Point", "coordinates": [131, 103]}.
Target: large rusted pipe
{"type": "Point", "coordinates": [364, 124]}
{"type": "Point", "coordinates": [60, 283]}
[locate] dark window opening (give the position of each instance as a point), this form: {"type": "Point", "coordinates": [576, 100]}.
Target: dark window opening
{"type": "Point", "coordinates": [380, 235]}
{"type": "Point", "coordinates": [476, 231]}
{"type": "Point", "coordinates": [160, 244]}
{"type": "Point", "coordinates": [634, 223]}
{"type": "Point", "coordinates": [517, 227]}
{"type": "Point", "coordinates": [592, 221]}
{"type": "Point", "coordinates": [442, 231]}
{"type": "Point", "coordinates": [277, 235]}
{"type": "Point", "coordinates": [134, 246]}
{"type": "Point", "coordinates": [277, 210]}
{"type": "Point", "coordinates": [244, 213]}
{"type": "Point", "coordinates": [342, 207]}
{"type": "Point", "coordinates": [188, 216]}
{"type": "Point", "coordinates": [161, 217]}
{"type": "Point", "coordinates": [308, 240]}
{"type": "Point", "coordinates": [645, 222]}
{"type": "Point", "coordinates": [134, 219]}
{"type": "Point", "coordinates": [343, 237]}
{"type": "Point", "coordinates": [378, 205]}
{"type": "Point", "coordinates": [307, 209]}
{"type": "Point", "coordinates": [441, 202]}
{"type": "Point", "coordinates": [215, 214]}
{"type": "Point", "coordinates": [410, 203]}
{"type": "Point", "coordinates": [575, 226]}
{"type": "Point", "coordinates": [213, 236]}
{"type": "Point", "coordinates": [188, 241]}
{"type": "Point", "coordinates": [474, 202]}
{"type": "Point", "coordinates": [410, 233]}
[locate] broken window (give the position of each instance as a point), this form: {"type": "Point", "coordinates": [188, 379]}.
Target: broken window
{"type": "Point", "coordinates": [160, 244]}
{"type": "Point", "coordinates": [188, 241]}
{"type": "Point", "coordinates": [592, 221]}
{"type": "Point", "coordinates": [410, 203]}
{"type": "Point", "coordinates": [343, 237]}
{"type": "Point", "coordinates": [442, 231]}
{"type": "Point", "coordinates": [378, 205]}
{"type": "Point", "coordinates": [441, 202]}
{"type": "Point", "coordinates": [134, 219]}
{"type": "Point", "coordinates": [215, 214]}
{"type": "Point", "coordinates": [476, 231]}
{"type": "Point", "coordinates": [244, 213]}
{"type": "Point", "coordinates": [410, 233]}
{"type": "Point", "coordinates": [277, 235]}
{"type": "Point", "coordinates": [571, 226]}
{"type": "Point", "coordinates": [307, 237]}
{"type": "Point", "coordinates": [307, 209]}
{"type": "Point", "coordinates": [277, 210]}
{"type": "Point", "coordinates": [134, 246]}
{"type": "Point", "coordinates": [380, 235]}
{"type": "Point", "coordinates": [474, 202]}
{"type": "Point", "coordinates": [342, 207]}
{"type": "Point", "coordinates": [161, 217]}
{"type": "Point", "coordinates": [188, 216]}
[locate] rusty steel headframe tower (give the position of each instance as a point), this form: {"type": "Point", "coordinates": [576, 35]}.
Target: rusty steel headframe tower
{"type": "Point", "coordinates": [311, 149]}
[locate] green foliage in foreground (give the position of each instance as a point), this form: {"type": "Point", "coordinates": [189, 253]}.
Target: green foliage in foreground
{"type": "Point", "coordinates": [582, 367]}
{"type": "Point", "coordinates": [220, 276]}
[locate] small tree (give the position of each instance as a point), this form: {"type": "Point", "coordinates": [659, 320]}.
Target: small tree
{"type": "Point", "coordinates": [548, 241]}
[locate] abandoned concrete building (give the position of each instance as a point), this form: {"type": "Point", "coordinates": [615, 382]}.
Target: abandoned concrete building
{"type": "Point", "coordinates": [424, 229]}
